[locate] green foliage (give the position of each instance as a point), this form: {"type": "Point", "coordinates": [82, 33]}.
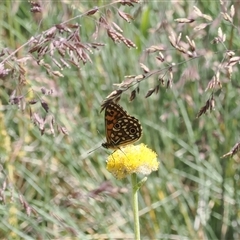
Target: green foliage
{"type": "Point", "coordinates": [51, 187]}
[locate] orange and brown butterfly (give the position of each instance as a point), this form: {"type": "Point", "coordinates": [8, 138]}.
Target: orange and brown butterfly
{"type": "Point", "coordinates": [121, 128]}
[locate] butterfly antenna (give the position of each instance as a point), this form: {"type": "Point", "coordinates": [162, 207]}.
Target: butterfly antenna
{"type": "Point", "coordinates": [101, 136]}
{"type": "Point", "coordinates": [98, 146]}
{"type": "Point", "coordinates": [94, 149]}
{"type": "Point", "coordinates": [86, 154]}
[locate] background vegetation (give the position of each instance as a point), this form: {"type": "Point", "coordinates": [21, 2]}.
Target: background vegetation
{"type": "Point", "coordinates": [52, 188]}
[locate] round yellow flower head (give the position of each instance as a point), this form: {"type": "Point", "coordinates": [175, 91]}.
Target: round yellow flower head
{"type": "Point", "coordinates": [132, 159]}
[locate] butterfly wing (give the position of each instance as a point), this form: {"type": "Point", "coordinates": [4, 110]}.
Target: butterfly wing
{"type": "Point", "coordinates": [121, 128]}
{"type": "Point", "coordinates": [113, 112]}
{"type": "Point", "coordinates": [126, 130]}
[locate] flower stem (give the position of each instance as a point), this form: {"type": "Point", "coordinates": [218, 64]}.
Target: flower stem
{"type": "Point", "coordinates": [135, 205]}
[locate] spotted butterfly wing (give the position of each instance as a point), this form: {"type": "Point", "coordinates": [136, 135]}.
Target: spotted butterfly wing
{"type": "Point", "coordinates": [121, 128]}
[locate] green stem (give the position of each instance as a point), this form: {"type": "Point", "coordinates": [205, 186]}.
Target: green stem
{"type": "Point", "coordinates": [135, 205]}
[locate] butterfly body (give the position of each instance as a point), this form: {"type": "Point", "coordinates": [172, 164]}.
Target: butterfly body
{"type": "Point", "coordinates": [121, 128]}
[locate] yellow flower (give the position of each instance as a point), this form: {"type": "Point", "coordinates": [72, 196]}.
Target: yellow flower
{"type": "Point", "coordinates": [132, 159]}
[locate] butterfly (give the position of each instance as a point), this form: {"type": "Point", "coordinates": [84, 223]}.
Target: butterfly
{"type": "Point", "coordinates": [121, 128]}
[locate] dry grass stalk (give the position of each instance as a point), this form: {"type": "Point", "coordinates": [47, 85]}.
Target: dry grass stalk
{"type": "Point", "coordinates": [152, 90]}
{"type": "Point", "coordinates": [35, 7]}
{"type": "Point", "coordinates": [233, 151]}
{"type": "Point", "coordinates": [112, 97]}
{"type": "Point", "coordinates": [144, 68]}
{"type": "Point", "coordinates": [134, 81]}
{"type": "Point", "coordinates": [92, 11]}
{"type": "Point", "coordinates": [214, 83]}
{"type": "Point", "coordinates": [176, 43]}
{"type": "Point", "coordinates": [209, 105]}
{"type": "Point", "coordinates": [154, 48]}
{"type": "Point", "coordinates": [202, 15]}
{"type": "Point", "coordinates": [184, 20]}
{"type": "Point", "coordinates": [2, 192]}
{"type": "Point", "coordinates": [63, 46]}
{"type": "Point", "coordinates": [129, 3]}
{"type": "Point", "coordinates": [26, 206]}
{"type": "Point", "coordinates": [127, 17]}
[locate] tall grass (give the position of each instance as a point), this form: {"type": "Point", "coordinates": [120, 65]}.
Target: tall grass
{"type": "Point", "coordinates": [52, 188]}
